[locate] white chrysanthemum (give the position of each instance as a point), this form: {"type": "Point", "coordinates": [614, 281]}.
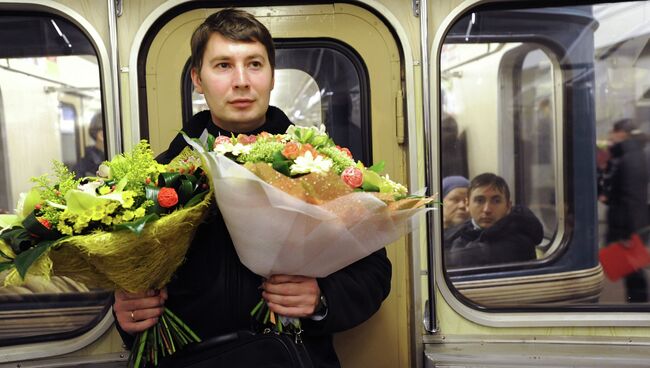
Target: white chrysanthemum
{"type": "Point", "coordinates": [90, 187]}
{"type": "Point", "coordinates": [104, 171]}
{"type": "Point", "coordinates": [239, 148]}
{"type": "Point", "coordinates": [223, 148]}
{"type": "Point", "coordinates": [307, 164]}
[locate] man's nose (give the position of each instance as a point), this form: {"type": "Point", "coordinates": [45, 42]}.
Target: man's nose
{"type": "Point", "coordinates": [241, 78]}
{"type": "Point", "coordinates": [487, 207]}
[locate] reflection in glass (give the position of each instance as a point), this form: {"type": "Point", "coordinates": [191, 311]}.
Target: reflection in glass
{"type": "Point", "coordinates": [49, 92]}
{"type": "Point", "coordinates": [555, 101]}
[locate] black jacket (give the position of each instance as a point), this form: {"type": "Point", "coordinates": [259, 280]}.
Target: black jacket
{"type": "Point", "coordinates": [511, 239]}
{"type": "Point", "coordinates": [213, 292]}
{"type": "Point", "coordinates": [626, 189]}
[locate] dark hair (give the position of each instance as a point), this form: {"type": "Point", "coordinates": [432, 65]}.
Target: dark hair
{"type": "Point", "coordinates": [624, 125]}
{"type": "Point", "coordinates": [489, 180]}
{"type": "Point", "coordinates": [96, 126]}
{"type": "Point", "coordinates": [235, 25]}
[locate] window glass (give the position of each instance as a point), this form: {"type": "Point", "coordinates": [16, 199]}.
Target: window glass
{"type": "Point", "coordinates": [319, 84]}
{"type": "Point", "coordinates": [554, 103]}
{"type": "Point", "coordinates": [49, 97]}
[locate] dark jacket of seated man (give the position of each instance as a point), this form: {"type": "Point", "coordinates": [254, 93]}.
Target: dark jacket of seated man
{"type": "Point", "coordinates": [511, 239]}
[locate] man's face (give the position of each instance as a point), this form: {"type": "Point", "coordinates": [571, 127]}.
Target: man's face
{"type": "Point", "coordinates": [236, 79]}
{"type": "Point", "coordinates": [454, 207]}
{"type": "Point", "coordinates": [487, 205]}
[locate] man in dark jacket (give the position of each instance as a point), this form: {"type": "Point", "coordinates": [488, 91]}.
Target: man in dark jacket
{"type": "Point", "coordinates": [213, 292]}
{"type": "Point", "coordinates": [624, 190]}
{"type": "Point", "coordinates": [496, 232]}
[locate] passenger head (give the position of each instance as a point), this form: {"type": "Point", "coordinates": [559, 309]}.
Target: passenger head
{"type": "Point", "coordinates": [448, 128]}
{"type": "Point", "coordinates": [621, 130]}
{"type": "Point", "coordinates": [96, 130]}
{"type": "Point", "coordinates": [489, 199]}
{"type": "Point", "coordinates": [454, 200]}
{"type": "Point", "coordinates": [232, 66]}
{"type": "Point", "coordinates": [234, 25]}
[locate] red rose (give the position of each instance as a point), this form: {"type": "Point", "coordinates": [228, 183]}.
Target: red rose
{"type": "Point", "coordinates": [352, 177]}
{"type": "Point", "coordinates": [221, 140]}
{"type": "Point", "coordinates": [167, 197]}
{"type": "Point", "coordinates": [345, 150]}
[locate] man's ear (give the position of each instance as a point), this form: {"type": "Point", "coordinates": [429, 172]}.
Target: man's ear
{"type": "Point", "coordinates": [196, 80]}
{"type": "Point", "coordinates": [509, 206]}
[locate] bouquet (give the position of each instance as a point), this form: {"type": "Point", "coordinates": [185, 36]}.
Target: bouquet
{"type": "Point", "coordinates": [315, 210]}
{"type": "Point", "coordinates": [128, 228]}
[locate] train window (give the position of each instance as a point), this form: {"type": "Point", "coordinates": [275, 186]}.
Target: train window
{"type": "Point", "coordinates": [319, 82]}
{"type": "Point", "coordinates": [49, 94]}
{"type": "Point", "coordinates": [553, 101]}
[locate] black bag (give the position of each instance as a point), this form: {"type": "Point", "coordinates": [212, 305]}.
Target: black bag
{"type": "Point", "coordinates": [242, 349]}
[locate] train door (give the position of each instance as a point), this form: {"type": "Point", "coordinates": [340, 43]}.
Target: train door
{"type": "Point", "coordinates": [532, 90]}
{"type": "Point", "coordinates": [54, 82]}
{"type": "Point", "coordinates": [337, 64]}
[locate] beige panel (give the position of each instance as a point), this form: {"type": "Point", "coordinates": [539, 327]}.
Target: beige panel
{"type": "Point", "coordinates": [383, 341]}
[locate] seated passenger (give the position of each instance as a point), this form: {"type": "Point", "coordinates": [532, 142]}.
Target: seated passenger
{"type": "Point", "coordinates": [454, 201]}
{"type": "Point", "coordinates": [496, 232]}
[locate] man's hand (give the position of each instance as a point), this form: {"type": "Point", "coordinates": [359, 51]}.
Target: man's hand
{"type": "Point", "coordinates": [139, 311]}
{"type": "Point", "coordinates": [291, 296]}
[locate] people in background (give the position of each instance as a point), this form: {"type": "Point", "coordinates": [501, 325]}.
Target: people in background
{"type": "Point", "coordinates": [623, 188]}
{"type": "Point", "coordinates": [496, 232]}
{"type": "Point", "coordinates": [453, 148]}
{"type": "Point", "coordinates": [94, 155]}
{"type": "Point", "coordinates": [454, 201]}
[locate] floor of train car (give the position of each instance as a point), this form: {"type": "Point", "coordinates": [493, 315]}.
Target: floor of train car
{"type": "Point", "coordinates": [614, 291]}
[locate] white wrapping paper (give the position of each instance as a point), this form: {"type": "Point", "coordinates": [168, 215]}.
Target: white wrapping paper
{"type": "Point", "coordinates": [277, 233]}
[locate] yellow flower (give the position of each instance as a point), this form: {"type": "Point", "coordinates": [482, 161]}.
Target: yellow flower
{"type": "Point", "coordinates": [140, 212]}
{"type": "Point", "coordinates": [128, 215]}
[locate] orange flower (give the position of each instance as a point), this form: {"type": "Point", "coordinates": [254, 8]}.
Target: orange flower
{"type": "Point", "coordinates": [291, 150]}
{"type": "Point", "coordinates": [352, 176]}
{"type": "Point", "coordinates": [246, 139]}
{"type": "Point", "coordinates": [167, 197]}
{"type": "Point", "coordinates": [44, 222]}
{"type": "Point", "coordinates": [308, 147]}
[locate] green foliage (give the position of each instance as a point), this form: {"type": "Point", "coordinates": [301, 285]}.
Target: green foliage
{"type": "Point", "coordinates": [136, 166]}
{"type": "Point", "coordinates": [262, 151]}
{"type": "Point", "coordinates": [340, 159]}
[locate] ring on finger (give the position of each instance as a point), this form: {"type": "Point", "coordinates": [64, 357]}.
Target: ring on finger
{"type": "Point", "coordinates": [132, 316]}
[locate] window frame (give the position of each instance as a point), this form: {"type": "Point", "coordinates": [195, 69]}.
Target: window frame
{"type": "Point", "coordinates": [46, 347]}
{"type": "Point", "coordinates": [623, 315]}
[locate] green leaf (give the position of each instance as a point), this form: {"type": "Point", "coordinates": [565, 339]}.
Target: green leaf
{"type": "Point", "coordinates": [138, 225]}
{"type": "Point", "coordinates": [169, 179]}
{"type": "Point", "coordinates": [281, 164]}
{"type": "Point", "coordinates": [210, 142]}
{"type": "Point", "coordinates": [33, 226]}
{"type": "Point", "coordinates": [6, 266]}
{"type": "Point", "coordinates": [25, 259]}
{"type": "Point", "coordinates": [151, 193]}
{"type": "Point", "coordinates": [18, 238]}
{"type": "Point", "coordinates": [196, 199]}
{"type": "Point", "coordinates": [4, 255]}
{"type": "Point", "coordinates": [371, 181]}
{"type": "Point", "coordinates": [32, 198]}
{"type": "Point", "coordinates": [378, 167]}
{"type": "Point", "coordinates": [8, 221]}
{"type": "Point", "coordinates": [185, 191]}
{"type": "Point", "coordinates": [79, 202]}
